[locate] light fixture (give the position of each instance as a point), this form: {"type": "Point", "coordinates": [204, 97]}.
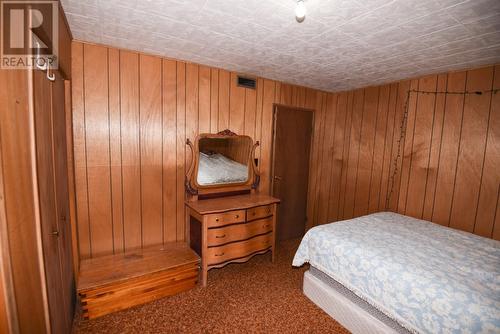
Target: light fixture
{"type": "Point", "coordinates": [300, 11]}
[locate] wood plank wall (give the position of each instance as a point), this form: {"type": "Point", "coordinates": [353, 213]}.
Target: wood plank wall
{"type": "Point", "coordinates": [132, 114]}
{"type": "Point", "coordinates": [448, 171]}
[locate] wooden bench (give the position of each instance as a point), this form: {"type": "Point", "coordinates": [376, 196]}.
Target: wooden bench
{"type": "Point", "coordinates": [115, 282]}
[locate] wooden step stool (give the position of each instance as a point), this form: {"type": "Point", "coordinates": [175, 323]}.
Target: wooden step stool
{"type": "Point", "coordinates": [115, 282]}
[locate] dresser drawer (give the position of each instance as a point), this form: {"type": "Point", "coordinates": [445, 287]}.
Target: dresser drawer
{"type": "Point", "coordinates": [238, 249]}
{"type": "Point", "coordinates": [223, 235]}
{"type": "Point", "coordinates": [225, 218]}
{"type": "Point", "coordinates": [259, 212]}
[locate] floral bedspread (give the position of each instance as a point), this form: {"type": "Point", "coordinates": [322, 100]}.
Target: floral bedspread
{"type": "Point", "coordinates": [429, 278]}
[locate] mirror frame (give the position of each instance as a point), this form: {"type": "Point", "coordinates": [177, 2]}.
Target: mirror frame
{"type": "Point", "coordinates": [191, 183]}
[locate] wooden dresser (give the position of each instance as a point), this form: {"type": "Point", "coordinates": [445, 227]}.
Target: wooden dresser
{"type": "Point", "coordinates": [231, 229]}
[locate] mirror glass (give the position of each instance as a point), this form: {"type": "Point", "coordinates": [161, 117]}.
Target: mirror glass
{"type": "Point", "coordinates": [223, 160]}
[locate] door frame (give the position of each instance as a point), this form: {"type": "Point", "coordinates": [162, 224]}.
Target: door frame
{"type": "Point", "coordinates": [273, 147]}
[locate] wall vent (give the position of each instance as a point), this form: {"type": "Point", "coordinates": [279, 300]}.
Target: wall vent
{"type": "Point", "coordinates": [247, 82]}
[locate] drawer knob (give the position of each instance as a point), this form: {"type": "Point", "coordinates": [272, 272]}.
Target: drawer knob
{"type": "Point", "coordinates": [254, 213]}
{"type": "Point", "coordinates": [237, 216]}
{"type": "Point", "coordinates": [267, 225]}
{"type": "Point", "coordinates": [220, 236]}
{"type": "Point", "coordinates": [220, 254]}
{"type": "Point", "coordinates": [216, 219]}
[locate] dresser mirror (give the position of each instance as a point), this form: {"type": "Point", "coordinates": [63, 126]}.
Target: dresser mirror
{"type": "Point", "coordinates": [222, 163]}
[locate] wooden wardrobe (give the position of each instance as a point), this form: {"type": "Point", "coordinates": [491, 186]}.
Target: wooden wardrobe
{"type": "Point", "coordinates": [36, 233]}
{"type": "Point", "coordinates": [37, 293]}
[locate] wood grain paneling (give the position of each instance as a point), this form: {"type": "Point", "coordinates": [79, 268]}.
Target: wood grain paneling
{"type": "Point", "coordinates": [450, 139]}
{"type": "Point", "coordinates": [407, 152]}
{"type": "Point", "coordinates": [448, 162]}
{"type": "Point", "coordinates": [337, 156]}
{"type": "Point", "coordinates": [236, 105]}
{"type": "Point", "coordinates": [435, 148]}
{"type": "Point", "coordinates": [130, 149]}
{"type": "Point", "coordinates": [422, 131]}
{"type": "Point", "coordinates": [388, 148]}
{"type": "Point", "coordinates": [65, 37]}
{"type": "Point", "coordinates": [79, 150]}
{"type": "Point", "coordinates": [115, 148]}
{"type": "Point", "coordinates": [169, 161]}
{"type": "Point", "coordinates": [180, 150]}
{"type": "Point", "coordinates": [224, 100]}
{"type": "Point", "coordinates": [268, 96]}
{"type": "Point", "coordinates": [329, 105]}
{"type": "Point", "coordinates": [151, 149]}
{"type": "Point", "coordinates": [345, 157]}
{"type": "Point", "coordinates": [132, 114]}
{"type": "Point", "coordinates": [365, 155]}
{"type": "Point", "coordinates": [214, 100]}
{"type": "Point", "coordinates": [490, 187]}
{"type": "Point", "coordinates": [314, 171]}
{"type": "Point", "coordinates": [95, 63]}
{"type": "Point", "coordinates": [354, 149]}
{"type": "Point", "coordinates": [378, 149]}
{"type": "Point", "coordinates": [204, 103]}
{"type": "Point", "coordinates": [471, 150]}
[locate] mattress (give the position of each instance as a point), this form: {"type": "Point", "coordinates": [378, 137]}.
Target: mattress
{"type": "Point", "coordinates": [217, 169]}
{"type": "Point", "coordinates": [427, 278]}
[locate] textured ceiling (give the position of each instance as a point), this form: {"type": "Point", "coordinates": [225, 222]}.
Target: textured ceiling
{"type": "Point", "coordinates": [342, 44]}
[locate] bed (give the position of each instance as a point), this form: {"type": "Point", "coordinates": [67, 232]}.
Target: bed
{"type": "Point", "coordinates": [215, 168]}
{"type": "Point", "coordinates": [387, 272]}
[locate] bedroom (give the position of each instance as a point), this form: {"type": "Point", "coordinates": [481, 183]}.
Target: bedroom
{"type": "Point", "coordinates": [162, 161]}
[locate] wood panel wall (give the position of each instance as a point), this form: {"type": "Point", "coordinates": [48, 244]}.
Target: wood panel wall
{"type": "Point", "coordinates": [448, 165]}
{"type": "Point", "coordinates": [132, 114]}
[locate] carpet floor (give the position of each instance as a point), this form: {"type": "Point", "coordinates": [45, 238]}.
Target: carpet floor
{"type": "Point", "coordinates": [254, 297]}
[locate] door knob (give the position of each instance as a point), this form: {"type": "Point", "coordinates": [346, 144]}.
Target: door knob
{"type": "Point", "coordinates": [277, 178]}
{"type": "Point", "coordinates": [55, 233]}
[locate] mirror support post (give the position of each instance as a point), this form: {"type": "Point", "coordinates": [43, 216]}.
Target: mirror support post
{"type": "Point", "coordinates": [256, 173]}
{"type": "Point", "coordinates": [189, 188]}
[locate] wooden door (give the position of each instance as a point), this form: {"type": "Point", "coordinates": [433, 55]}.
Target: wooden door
{"type": "Point", "coordinates": [52, 189]}
{"type": "Point", "coordinates": [291, 148]}
{"type": "Point", "coordinates": [62, 198]}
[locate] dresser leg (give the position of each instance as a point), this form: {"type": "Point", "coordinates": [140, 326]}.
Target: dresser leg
{"type": "Point", "coordinates": [204, 250]}
{"type": "Point", "coordinates": [204, 277]}
{"type": "Point", "coordinates": [275, 218]}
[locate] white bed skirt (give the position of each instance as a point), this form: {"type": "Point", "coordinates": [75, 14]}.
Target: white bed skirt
{"type": "Point", "coordinates": [346, 312]}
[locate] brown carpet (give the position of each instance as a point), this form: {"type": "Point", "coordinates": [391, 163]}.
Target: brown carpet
{"type": "Point", "coordinates": [257, 296]}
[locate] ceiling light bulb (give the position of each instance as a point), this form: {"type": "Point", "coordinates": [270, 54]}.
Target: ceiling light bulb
{"type": "Point", "coordinates": [300, 11]}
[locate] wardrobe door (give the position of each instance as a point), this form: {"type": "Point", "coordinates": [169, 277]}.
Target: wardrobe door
{"type": "Point", "coordinates": [62, 198]}
{"type": "Point", "coordinates": [42, 95]}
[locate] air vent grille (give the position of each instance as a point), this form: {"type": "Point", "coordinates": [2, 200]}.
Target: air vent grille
{"type": "Point", "coordinates": [247, 82]}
